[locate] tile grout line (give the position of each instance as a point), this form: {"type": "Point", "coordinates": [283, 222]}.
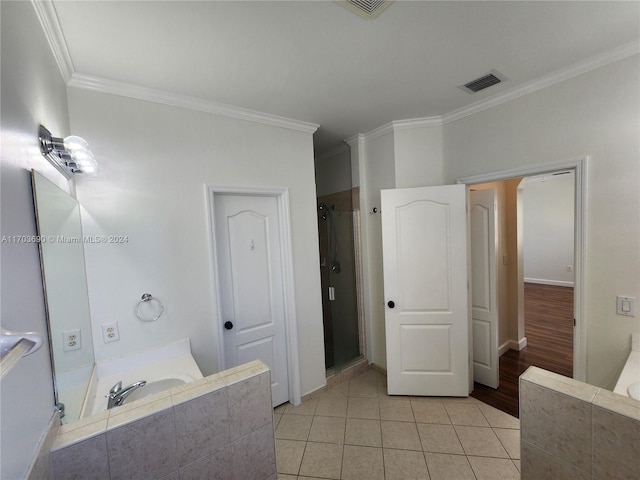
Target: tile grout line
{"type": "Point", "coordinates": [344, 435]}
{"type": "Point", "coordinates": [378, 398]}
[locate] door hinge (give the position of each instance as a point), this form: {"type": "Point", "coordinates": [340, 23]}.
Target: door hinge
{"type": "Point", "coordinates": [574, 322]}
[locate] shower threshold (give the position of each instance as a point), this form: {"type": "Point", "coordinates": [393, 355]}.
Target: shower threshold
{"type": "Point", "coordinates": [353, 368]}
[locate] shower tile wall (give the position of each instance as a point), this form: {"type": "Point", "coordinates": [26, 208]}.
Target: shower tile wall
{"type": "Point", "coordinates": [217, 427]}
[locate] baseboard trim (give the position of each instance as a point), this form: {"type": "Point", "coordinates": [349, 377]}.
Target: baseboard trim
{"type": "Point", "coordinates": [545, 281]}
{"type": "Point", "coordinates": [521, 344]}
{"type": "Point", "coordinates": [512, 345]}
{"type": "Point", "coordinates": [504, 348]}
{"type": "Point", "coordinates": [356, 368]}
{"type": "Point", "coordinates": [313, 394]}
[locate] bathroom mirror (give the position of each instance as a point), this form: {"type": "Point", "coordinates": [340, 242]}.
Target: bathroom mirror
{"type": "Point", "coordinates": [66, 295]}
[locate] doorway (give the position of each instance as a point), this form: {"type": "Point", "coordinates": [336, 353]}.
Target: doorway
{"type": "Point", "coordinates": [338, 215]}
{"type": "Point", "coordinates": [548, 223]}
{"type": "Point", "coordinates": [545, 310]}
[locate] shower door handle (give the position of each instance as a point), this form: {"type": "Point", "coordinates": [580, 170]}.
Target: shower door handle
{"type": "Point", "coordinates": [228, 325]}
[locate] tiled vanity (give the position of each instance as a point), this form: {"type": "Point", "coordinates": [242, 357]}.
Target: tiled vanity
{"type": "Point", "coordinates": [219, 427]}
{"type": "Point", "coordinates": [570, 429]}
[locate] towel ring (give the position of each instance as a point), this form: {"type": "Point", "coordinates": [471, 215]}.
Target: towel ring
{"type": "Point", "coordinates": [146, 298]}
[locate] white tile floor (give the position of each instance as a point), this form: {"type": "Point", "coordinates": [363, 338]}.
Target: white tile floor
{"type": "Point", "coordinates": [356, 431]}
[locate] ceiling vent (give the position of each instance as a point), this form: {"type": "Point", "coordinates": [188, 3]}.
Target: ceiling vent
{"type": "Point", "coordinates": [368, 9]}
{"type": "Point", "coordinates": [492, 78]}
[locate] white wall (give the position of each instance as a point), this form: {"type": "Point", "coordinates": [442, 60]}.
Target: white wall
{"type": "Point", "coordinates": [376, 172]}
{"type": "Point", "coordinates": [33, 92]}
{"type": "Point", "coordinates": [595, 114]}
{"type": "Point", "coordinates": [548, 220]}
{"type": "Point", "coordinates": [399, 158]}
{"type": "Point", "coordinates": [333, 173]}
{"type": "Point", "coordinates": [155, 163]}
{"type": "Point", "coordinates": [418, 156]}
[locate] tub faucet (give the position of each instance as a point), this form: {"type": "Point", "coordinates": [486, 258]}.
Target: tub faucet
{"type": "Point", "coordinates": [117, 394]}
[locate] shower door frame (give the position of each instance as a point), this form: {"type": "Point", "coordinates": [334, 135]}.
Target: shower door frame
{"type": "Point", "coordinates": [356, 245]}
{"type": "Point", "coordinates": [284, 224]}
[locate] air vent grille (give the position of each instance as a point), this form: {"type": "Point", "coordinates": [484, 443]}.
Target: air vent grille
{"type": "Point", "coordinates": [492, 78]}
{"type": "Point", "coordinates": [366, 8]}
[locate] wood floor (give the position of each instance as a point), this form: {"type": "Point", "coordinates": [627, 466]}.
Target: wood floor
{"type": "Point", "coordinates": [549, 331]}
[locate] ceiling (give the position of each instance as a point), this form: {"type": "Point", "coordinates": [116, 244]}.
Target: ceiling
{"type": "Point", "coordinates": [316, 61]}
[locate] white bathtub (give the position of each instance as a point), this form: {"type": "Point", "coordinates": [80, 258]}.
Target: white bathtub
{"type": "Point", "coordinates": [630, 375]}
{"type": "Point", "coordinates": [162, 368]}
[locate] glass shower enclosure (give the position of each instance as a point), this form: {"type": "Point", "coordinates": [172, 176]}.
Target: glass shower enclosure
{"type": "Point", "coordinates": [338, 275]}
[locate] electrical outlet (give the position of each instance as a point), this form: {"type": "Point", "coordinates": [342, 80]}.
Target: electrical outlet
{"type": "Point", "coordinates": [110, 332]}
{"type": "Point", "coordinates": [71, 340]}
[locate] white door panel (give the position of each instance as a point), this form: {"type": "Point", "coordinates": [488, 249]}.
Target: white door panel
{"type": "Point", "coordinates": [251, 285]}
{"type": "Point", "coordinates": [484, 303]}
{"type": "Point", "coordinates": [425, 276]}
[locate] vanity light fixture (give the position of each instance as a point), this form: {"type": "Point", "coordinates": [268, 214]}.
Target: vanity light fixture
{"type": "Point", "coordinates": [69, 155]}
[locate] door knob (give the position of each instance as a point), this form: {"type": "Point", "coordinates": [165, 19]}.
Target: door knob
{"type": "Point", "coordinates": [228, 325]}
{"type": "Point", "coordinates": [391, 304]}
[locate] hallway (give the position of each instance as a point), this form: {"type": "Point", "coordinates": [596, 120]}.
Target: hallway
{"type": "Point", "coordinates": [549, 332]}
{"type": "Point", "coordinates": [356, 431]}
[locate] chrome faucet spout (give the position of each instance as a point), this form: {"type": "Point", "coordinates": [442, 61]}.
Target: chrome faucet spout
{"type": "Point", "coordinates": [117, 395]}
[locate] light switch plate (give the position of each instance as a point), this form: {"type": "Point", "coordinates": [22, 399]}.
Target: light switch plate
{"type": "Point", "coordinates": [626, 306]}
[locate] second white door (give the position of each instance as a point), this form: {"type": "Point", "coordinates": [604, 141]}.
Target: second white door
{"type": "Point", "coordinates": [250, 276]}
{"type": "Point", "coordinates": [424, 238]}
{"type": "Point", "coordinates": [484, 299]}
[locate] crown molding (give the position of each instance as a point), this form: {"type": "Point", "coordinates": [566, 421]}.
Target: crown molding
{"type": "Point", "coordinates": [394, 126]}
{"type": "Point", "coordinates": [48, 18]}
{"type": "Point", "coordinates": [540, 83]}
{"type": "Point", "coordinates": [356, 139]}
{"type": "Point", "coordinates": [379, 132]}
{"type": "Point", "coordinates": [123, 89]}
{"type": "Point", "coordinates": [412, 123]}
{"type": "Point", "coordinates": [545, 81]}
{"type": "Point", "coordinates": [50, 23]}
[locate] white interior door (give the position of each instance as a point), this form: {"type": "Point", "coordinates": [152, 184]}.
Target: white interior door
{"type": "Point", "coordinates": [250, 279]}
{"type": "Point", "coordinates": [484, 298]}
{"type": "Point", "coordinates": [425, 255]}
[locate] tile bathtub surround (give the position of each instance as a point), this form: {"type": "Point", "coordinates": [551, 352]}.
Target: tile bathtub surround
{"type": "Point", "coordinates": [354, 430]}
{"type": "Point", "coordinates": [570, 429]}
{"type": "Point", "coordinates": [41, 465]}
{"type": "Point", "coordinates": [616, 436]}
{"type": "Point", "coordinates": [219, 427]}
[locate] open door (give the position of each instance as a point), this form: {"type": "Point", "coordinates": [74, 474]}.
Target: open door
{"type": "Point", "coordinates": [484, 298]}
{"type": "Point", "coordinates": [425, 258]}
